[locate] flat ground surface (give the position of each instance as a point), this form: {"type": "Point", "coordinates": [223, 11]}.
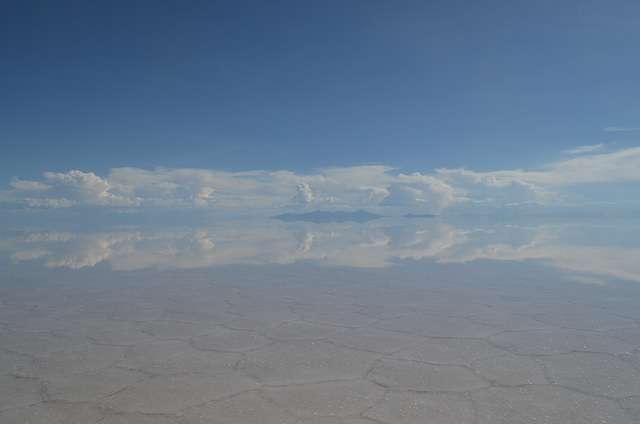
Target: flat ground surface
{"type": "Point", "coordinates": [489, 342]}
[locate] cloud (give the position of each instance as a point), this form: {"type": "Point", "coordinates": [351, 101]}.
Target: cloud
{"type": "Point", "coordinates": [49, 203]}
{"type": "Point", "coordinates": [585, 149]}
{"type": "Point", "coordinates": [577, 182]}
{"type": "Point", "coordinates": [588, 178]}
{"type": "Point", "coordinates": [375, 195]}
{"type": "Point", "coordinates": [28, 185]}
{"type": "Point", "coordinates": [338, 188]}
{"type": "Point", "coordinates": [620, 166]}
{"type": "Point", "coordinates": [203, 198]}
{"type": "Point", "coordinates": [617, 129]}
{"type": "Point", "coordinates": [304, 194]}
{"type": "Point", "coordinates": [76, 187]}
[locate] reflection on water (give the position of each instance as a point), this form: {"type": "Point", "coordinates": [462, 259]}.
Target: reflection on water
{"type": "Point", "coordinates": [591, 249]}
{"type": "Point", "coordinates": [390, 321]}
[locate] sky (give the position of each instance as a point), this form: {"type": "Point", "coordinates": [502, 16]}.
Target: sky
{"type": "Point", "coordinates": [259, 107]}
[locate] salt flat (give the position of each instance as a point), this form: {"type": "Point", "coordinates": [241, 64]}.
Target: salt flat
{"type": "Point", "coordinates": [418, 329]}
{"type": "Point", "coordinates": [416, 343]}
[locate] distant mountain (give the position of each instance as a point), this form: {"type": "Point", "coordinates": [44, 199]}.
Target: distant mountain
{"type": "Point", "coordinates": [328, 216]}
{"type": "Point", "coordinates": [411, 216]}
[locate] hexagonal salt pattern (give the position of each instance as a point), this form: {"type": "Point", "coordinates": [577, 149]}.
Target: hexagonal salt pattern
{"type": "Point", "coordinates": [316, 346]}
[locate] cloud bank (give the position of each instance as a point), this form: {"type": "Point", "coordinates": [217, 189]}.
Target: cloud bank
{"type": "Point", "coordinates": [258, 191]}
{"type": "Point", "coordinates": [589, 179]}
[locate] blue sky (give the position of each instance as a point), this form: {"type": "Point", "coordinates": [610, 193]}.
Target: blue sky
{"type": "Point", "coordinates": [268, 105]}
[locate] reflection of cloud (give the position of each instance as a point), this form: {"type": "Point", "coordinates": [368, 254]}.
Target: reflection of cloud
{"type": "Point", "coordinates": [89, 249]}
{"type": "Point", "coordinates": [587, 280]}
{"type": "Point", "coordinates": [29, 254]}
{"type": "Point", "coordinates": [305, 240]}
{"type": "Point", "coordinates": [608, 261]}
{"type": "Point", "coordinates": [335, 244]}
{"type": "Point", "coordinates": [379, 243]}
{"type": "Point", "coordinates": [545, 243]}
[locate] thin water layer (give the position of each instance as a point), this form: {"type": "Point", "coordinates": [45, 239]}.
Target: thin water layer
{"type": "Point", "coordinates": [447, 321]}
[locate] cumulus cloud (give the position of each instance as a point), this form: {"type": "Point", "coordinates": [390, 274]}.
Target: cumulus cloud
{"type": "Point", "coordinates": [338, 188]}
{"type": "Point", "coordinates": [377, 188]}
{"type": "Point", "coordinates": [304, 194]}
{"type": "Point", "coordinates": [71, 188]}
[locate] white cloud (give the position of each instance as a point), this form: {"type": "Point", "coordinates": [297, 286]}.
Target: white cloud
{"type": "Point", "coordinates": [342, 188]}
{"type": "Point", "coordinates": [564, 183]}
{"type": "Point", "coordinates": [618, 129]}
{"type": "Point", "coordinates": [77, 187]}
{"type": "Point", "coordinates": [28, 185]}
{"type": "Point", "coordinates": [203, 198]}
{"type": "Point", "coordinates": [375, 196]}
{"type": "Point", "coordinates": [400, 195]}
{"type": "Point", "coordinates": [304, 194]}
{"type": "Point", "coordinates": [620, 166]}
{"type": "Point", "coordinates": [585, 149]}
{"type": "Point", "coordinates": [580, 181]}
